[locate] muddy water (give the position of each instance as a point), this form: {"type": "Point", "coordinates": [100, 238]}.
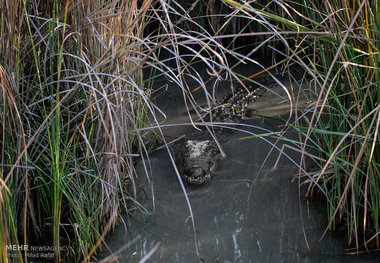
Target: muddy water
{"type": "Point", "coordinates": [250, 212]}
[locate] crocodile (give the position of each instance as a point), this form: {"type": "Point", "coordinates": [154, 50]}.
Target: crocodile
{"type": "Point", "coordinates": [234, 108]}
{"type": "Point", "coordinates": [197, 161]}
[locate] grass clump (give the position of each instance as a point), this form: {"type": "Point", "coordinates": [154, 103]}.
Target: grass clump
{"type": "Point", "coordinates": [349, 107]}
{"type": "Point", "coordinates": [74, 109]}
{"type": "Point", "coordinates": [69, 103]}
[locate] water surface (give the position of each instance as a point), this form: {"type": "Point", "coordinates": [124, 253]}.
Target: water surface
{"type": "Point", "coordinates": [250, 212]}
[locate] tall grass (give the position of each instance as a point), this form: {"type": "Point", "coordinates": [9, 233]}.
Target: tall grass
{"type": "Point", "coordinates": [337, 44]}
{"type": "Point", "coordinates": [74, 104]}
{"type": "Point", "coordinates": [350, 108]}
